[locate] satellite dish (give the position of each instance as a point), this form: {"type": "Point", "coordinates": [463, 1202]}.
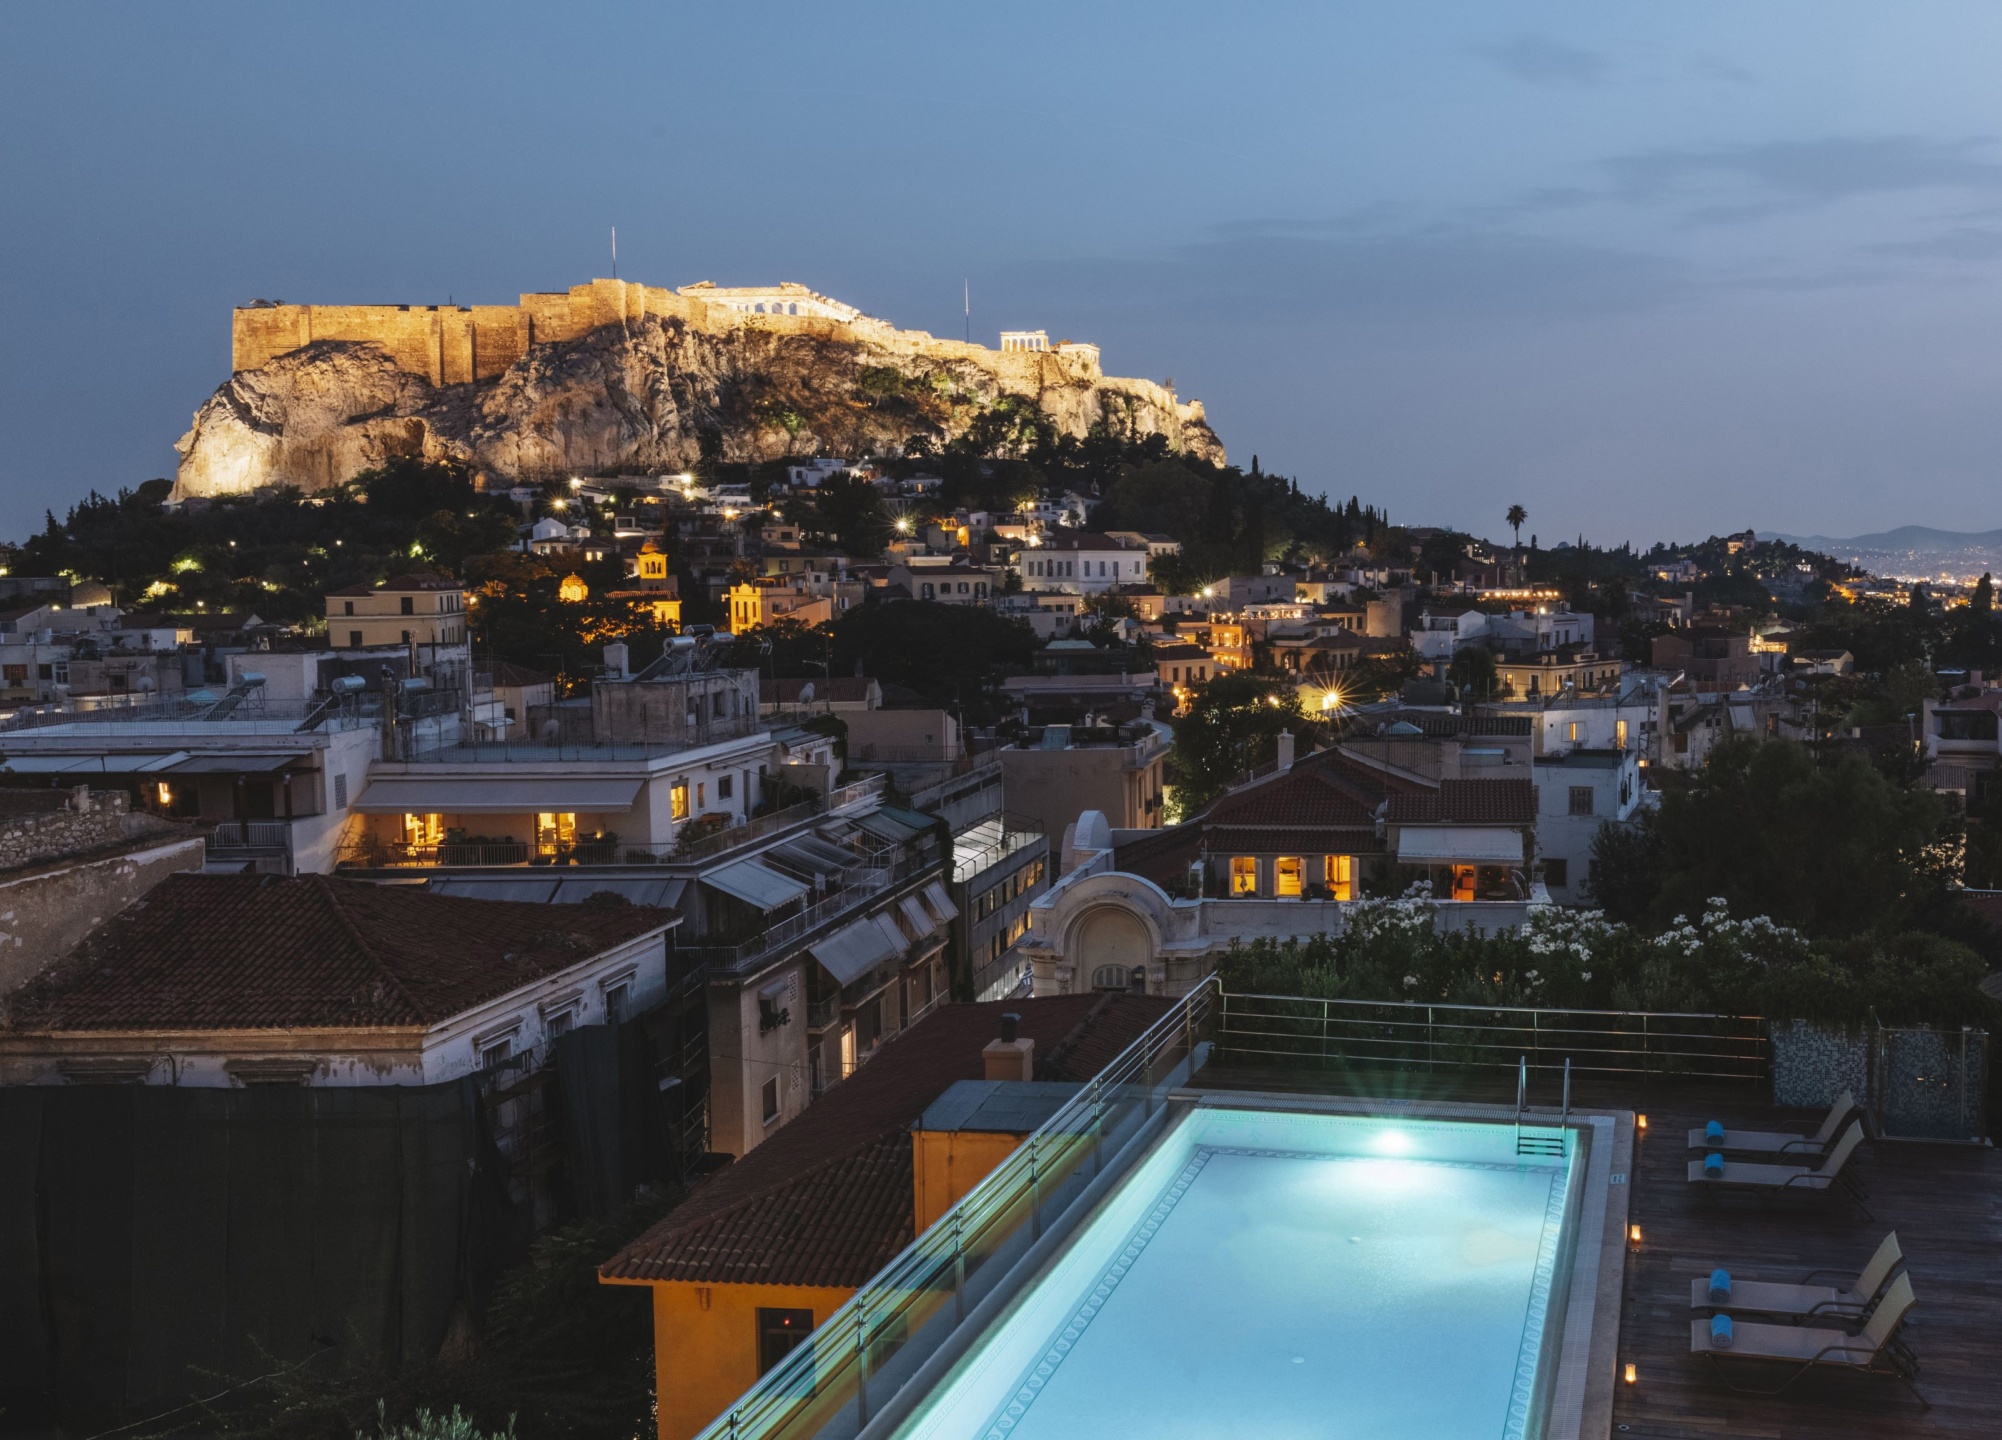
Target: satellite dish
{"type": "Point", "coordinates": [806, 693]}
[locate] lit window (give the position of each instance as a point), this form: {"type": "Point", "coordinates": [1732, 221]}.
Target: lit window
{"type": "Point", "coordinates": [1341, 877]}
{"type": "Point", "coordinates": [678, 800]}
{"type": "Point", "coordinates": [1620, 733]}
{"type": "Point", "coordinates": [1287, 871]}
{"type": "Point", "coordinates": [1244, 874]}
{"type": "Point", "coordinates": [423, 829]}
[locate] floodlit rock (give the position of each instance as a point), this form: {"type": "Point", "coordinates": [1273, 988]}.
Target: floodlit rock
{"type": "Point", "coordinates": [650, 391]}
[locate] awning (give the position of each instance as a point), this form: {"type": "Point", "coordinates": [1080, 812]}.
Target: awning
{"type": "Point", "coordinates": [921, 924]}
{"type": "Point", "coordinates": [663, 893]}
{"type": "Point", "coordinates": [562, 796]}
{"type": "Point", "coordinates": [811, 858]}
{"type": "Point", "coordinates": [755, 884]}
{"type": "Point", "coordinates": [941, 904]}
{"type": "Point", "coordinates": [539, 891]}
{"type": "Point", "coordinates": [885, 826]}
{"type": "Point", "coordinates": [854, 950]}
{"type": "Point", "coordinates": [236, 764]}
{"type": "Point", "coordinates": [892, 935]}
{"type": "Point", "coordinates": [1459, 845]}
{"type": "Point", "coordinates": [91, 764]}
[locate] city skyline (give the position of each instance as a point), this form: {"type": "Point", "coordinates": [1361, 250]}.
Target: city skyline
{"type": "Point", "coordinates": [1652, 278]}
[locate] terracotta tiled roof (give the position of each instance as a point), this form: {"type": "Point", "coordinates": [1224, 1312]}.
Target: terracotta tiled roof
{"type": "Point", "coordinates": [256, 952]}
{"type": "Point", "coordinates": [828, 1199]}
{"type": "Point", "coordinates": [1270, 840]}
{"type": "Point", "coordinates": [1161, 855]}
{"type": "Point", "coordinates": [1469, 802]}
{"type": "Point", "coordinates": [1328, 788]}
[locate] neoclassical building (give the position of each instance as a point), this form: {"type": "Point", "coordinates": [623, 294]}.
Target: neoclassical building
{"type": "Point", "coordinates": [1287, 855]}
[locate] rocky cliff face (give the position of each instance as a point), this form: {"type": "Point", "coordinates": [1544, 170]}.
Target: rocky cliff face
{"type": "Point", "coordinates": [650, 395]}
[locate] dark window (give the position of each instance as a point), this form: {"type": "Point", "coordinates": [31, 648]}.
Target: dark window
{"type": "Point", "coordinates": [770, 1096]}
{"type": "Point", "coordinates": [1581, 799]}
{"type": "Point", "coordinates": [1557, 872]}
{"type": "Point", "coordinates": [408, 605]}
{"type": "Point", "coordinates": [560, 1023]}
{"type": "Point", "coordinates": [724, 785]}
{"type": "Point", "coordinates": [615, 1004]}
{"type": "Point", "coordinates": [347, 607]}
{"type": "Point", "coordinates": [780, 1332]}
{"type": "Point", "coordinates": [354, 639]}
{"type": "Point", "coordinates": [1965, 724]}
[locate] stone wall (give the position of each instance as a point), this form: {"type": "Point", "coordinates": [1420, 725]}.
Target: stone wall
{"type": "Point", "coordinates": [84, 866]}
{"type": "Point", "coordinates": [619, 378]}
{"type": "Point", "coordinates": [39, 825]}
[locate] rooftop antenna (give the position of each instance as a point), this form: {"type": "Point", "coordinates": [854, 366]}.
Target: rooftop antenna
{"type": "Point", "coordinates": [615, 252]}
{"type": "Point", "coordinates": [969, 311]}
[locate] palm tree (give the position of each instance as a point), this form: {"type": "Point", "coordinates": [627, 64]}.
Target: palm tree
{"type": "Point", "coordinates": [1514, 520]}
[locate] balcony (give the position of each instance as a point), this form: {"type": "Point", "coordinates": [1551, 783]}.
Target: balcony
{"type": "Point", "coordinates": [788, 933]}
{"type": "Point", "coordinates": [369, 852]}
{"type": "Point", "coordinates": [265, 845]}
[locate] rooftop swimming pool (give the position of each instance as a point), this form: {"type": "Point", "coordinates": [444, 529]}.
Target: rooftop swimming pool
{"type": "Point", "coordinates": [1284, 1273]}
{"type": "Point", "coordinates": [1163, 1259]}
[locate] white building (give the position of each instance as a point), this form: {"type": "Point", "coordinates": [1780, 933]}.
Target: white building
{"type": "Point", "coordinates": [1578, 791]}
{"type": "Point", "coordinates": [378, 985]}
{"type": "Point", "coordinates": [1081, 562]}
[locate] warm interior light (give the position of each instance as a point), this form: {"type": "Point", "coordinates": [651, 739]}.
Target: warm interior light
{"type": "Point", "coordinates": [1634, 1233]}
{"type": "Point", "coordinates": [1640, 1121]}
{"type": "Point", "coordinates": [1632, 1374]}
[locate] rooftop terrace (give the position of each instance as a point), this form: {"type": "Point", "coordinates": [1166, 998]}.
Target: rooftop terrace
{"type": "Point", "coordinates": [1944, 1202]}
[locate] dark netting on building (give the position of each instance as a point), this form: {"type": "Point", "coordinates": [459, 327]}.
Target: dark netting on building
{"type": "Point", "coordinates": [157, 1242]}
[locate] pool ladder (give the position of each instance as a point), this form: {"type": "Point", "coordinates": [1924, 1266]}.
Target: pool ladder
{"type": "Point", "coordinates": [1543, 1142]}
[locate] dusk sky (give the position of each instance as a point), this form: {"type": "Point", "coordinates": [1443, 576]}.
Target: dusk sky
{"type": "Point", "coordinates": [1655, 272]}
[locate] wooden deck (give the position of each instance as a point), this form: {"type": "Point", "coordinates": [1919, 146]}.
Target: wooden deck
{"type": "Point", "coordinates": [1944, 1201]}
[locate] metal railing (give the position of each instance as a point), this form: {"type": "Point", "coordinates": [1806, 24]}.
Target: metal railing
{"type": "Point", "coordinates": [1288, 1030]}
{"type": "Point", "coordinates": [854, 1364]}
{"type": "Point", "coordinates": [867, 886]}
{"type": "Point", "coordinates": [854, 793]}
{"type": "Point", "coordinates": [243, 836]}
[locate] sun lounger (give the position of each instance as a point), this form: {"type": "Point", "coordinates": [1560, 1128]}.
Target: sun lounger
{"type": "Point", "coordinates": [1842, 1303]}
{"type": "Point", "coordinates": [1878, 1350]}
{"type": "Point", "coordinates": [1745, 1177]}
{"type": "Point", "coordinates": [1779, 1143]}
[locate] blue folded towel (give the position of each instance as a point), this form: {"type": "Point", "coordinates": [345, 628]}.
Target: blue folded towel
{"type": "Point", "coordinates": [1720, 1331]}
{"type": "Point", "coordinates": [1714, 1131]}
{"type": "Point", "coordinates": [1713, 1164]}
{"type": "Point", "coordinates": [1720, 1286]}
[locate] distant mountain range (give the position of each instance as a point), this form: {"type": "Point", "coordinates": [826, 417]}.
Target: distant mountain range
{"type": "Point", "coordinates": [1910, 552]}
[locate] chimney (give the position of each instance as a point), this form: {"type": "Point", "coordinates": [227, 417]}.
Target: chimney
{"type": "Point", "coordinates": [615, 659]}
{"type": "Point", "coordinates": [1285, 749]}
{"type": "Point", "coordinates": [1010, 1057]}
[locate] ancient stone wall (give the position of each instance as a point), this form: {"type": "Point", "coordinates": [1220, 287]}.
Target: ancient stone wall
{"type": "Point", "coordinates": [615, 377]}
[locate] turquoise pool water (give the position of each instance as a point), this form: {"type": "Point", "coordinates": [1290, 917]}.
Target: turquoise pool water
{"type": "Point", "coordinates": [1277, 1275]}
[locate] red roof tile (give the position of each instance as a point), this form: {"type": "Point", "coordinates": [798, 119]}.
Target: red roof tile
{"type": "Point", "coordinates": [256, 952]}
{"type": "Point", "coordinates": [828, 1199]}
{"type": "Point", "coordinates": [1469, 802]}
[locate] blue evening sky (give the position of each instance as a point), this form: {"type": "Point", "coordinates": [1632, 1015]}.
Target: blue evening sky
{"type": "Point", "coordinates": [1653, 271]}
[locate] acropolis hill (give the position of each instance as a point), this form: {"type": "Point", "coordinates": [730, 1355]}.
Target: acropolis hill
{"type": "Point", "coordinates": [615, 377]}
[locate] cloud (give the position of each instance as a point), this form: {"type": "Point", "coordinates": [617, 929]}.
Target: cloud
{"type": "Point", "coordinates": [1539, 60]}
{"type": "Point", "coordinates": [1282, 273]}
{"type": "Point", "coordinates": [1966, 245]}
{"type": "Point", "coordinates": [1791, 173]}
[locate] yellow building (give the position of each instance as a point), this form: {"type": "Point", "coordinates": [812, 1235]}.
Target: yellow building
{"type": "Point", "coordinates": [406, 610]}
{"type": "Point", "coordinates": [747, 1266]}
{"type": "Point", "coordinates": [657, 587]}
